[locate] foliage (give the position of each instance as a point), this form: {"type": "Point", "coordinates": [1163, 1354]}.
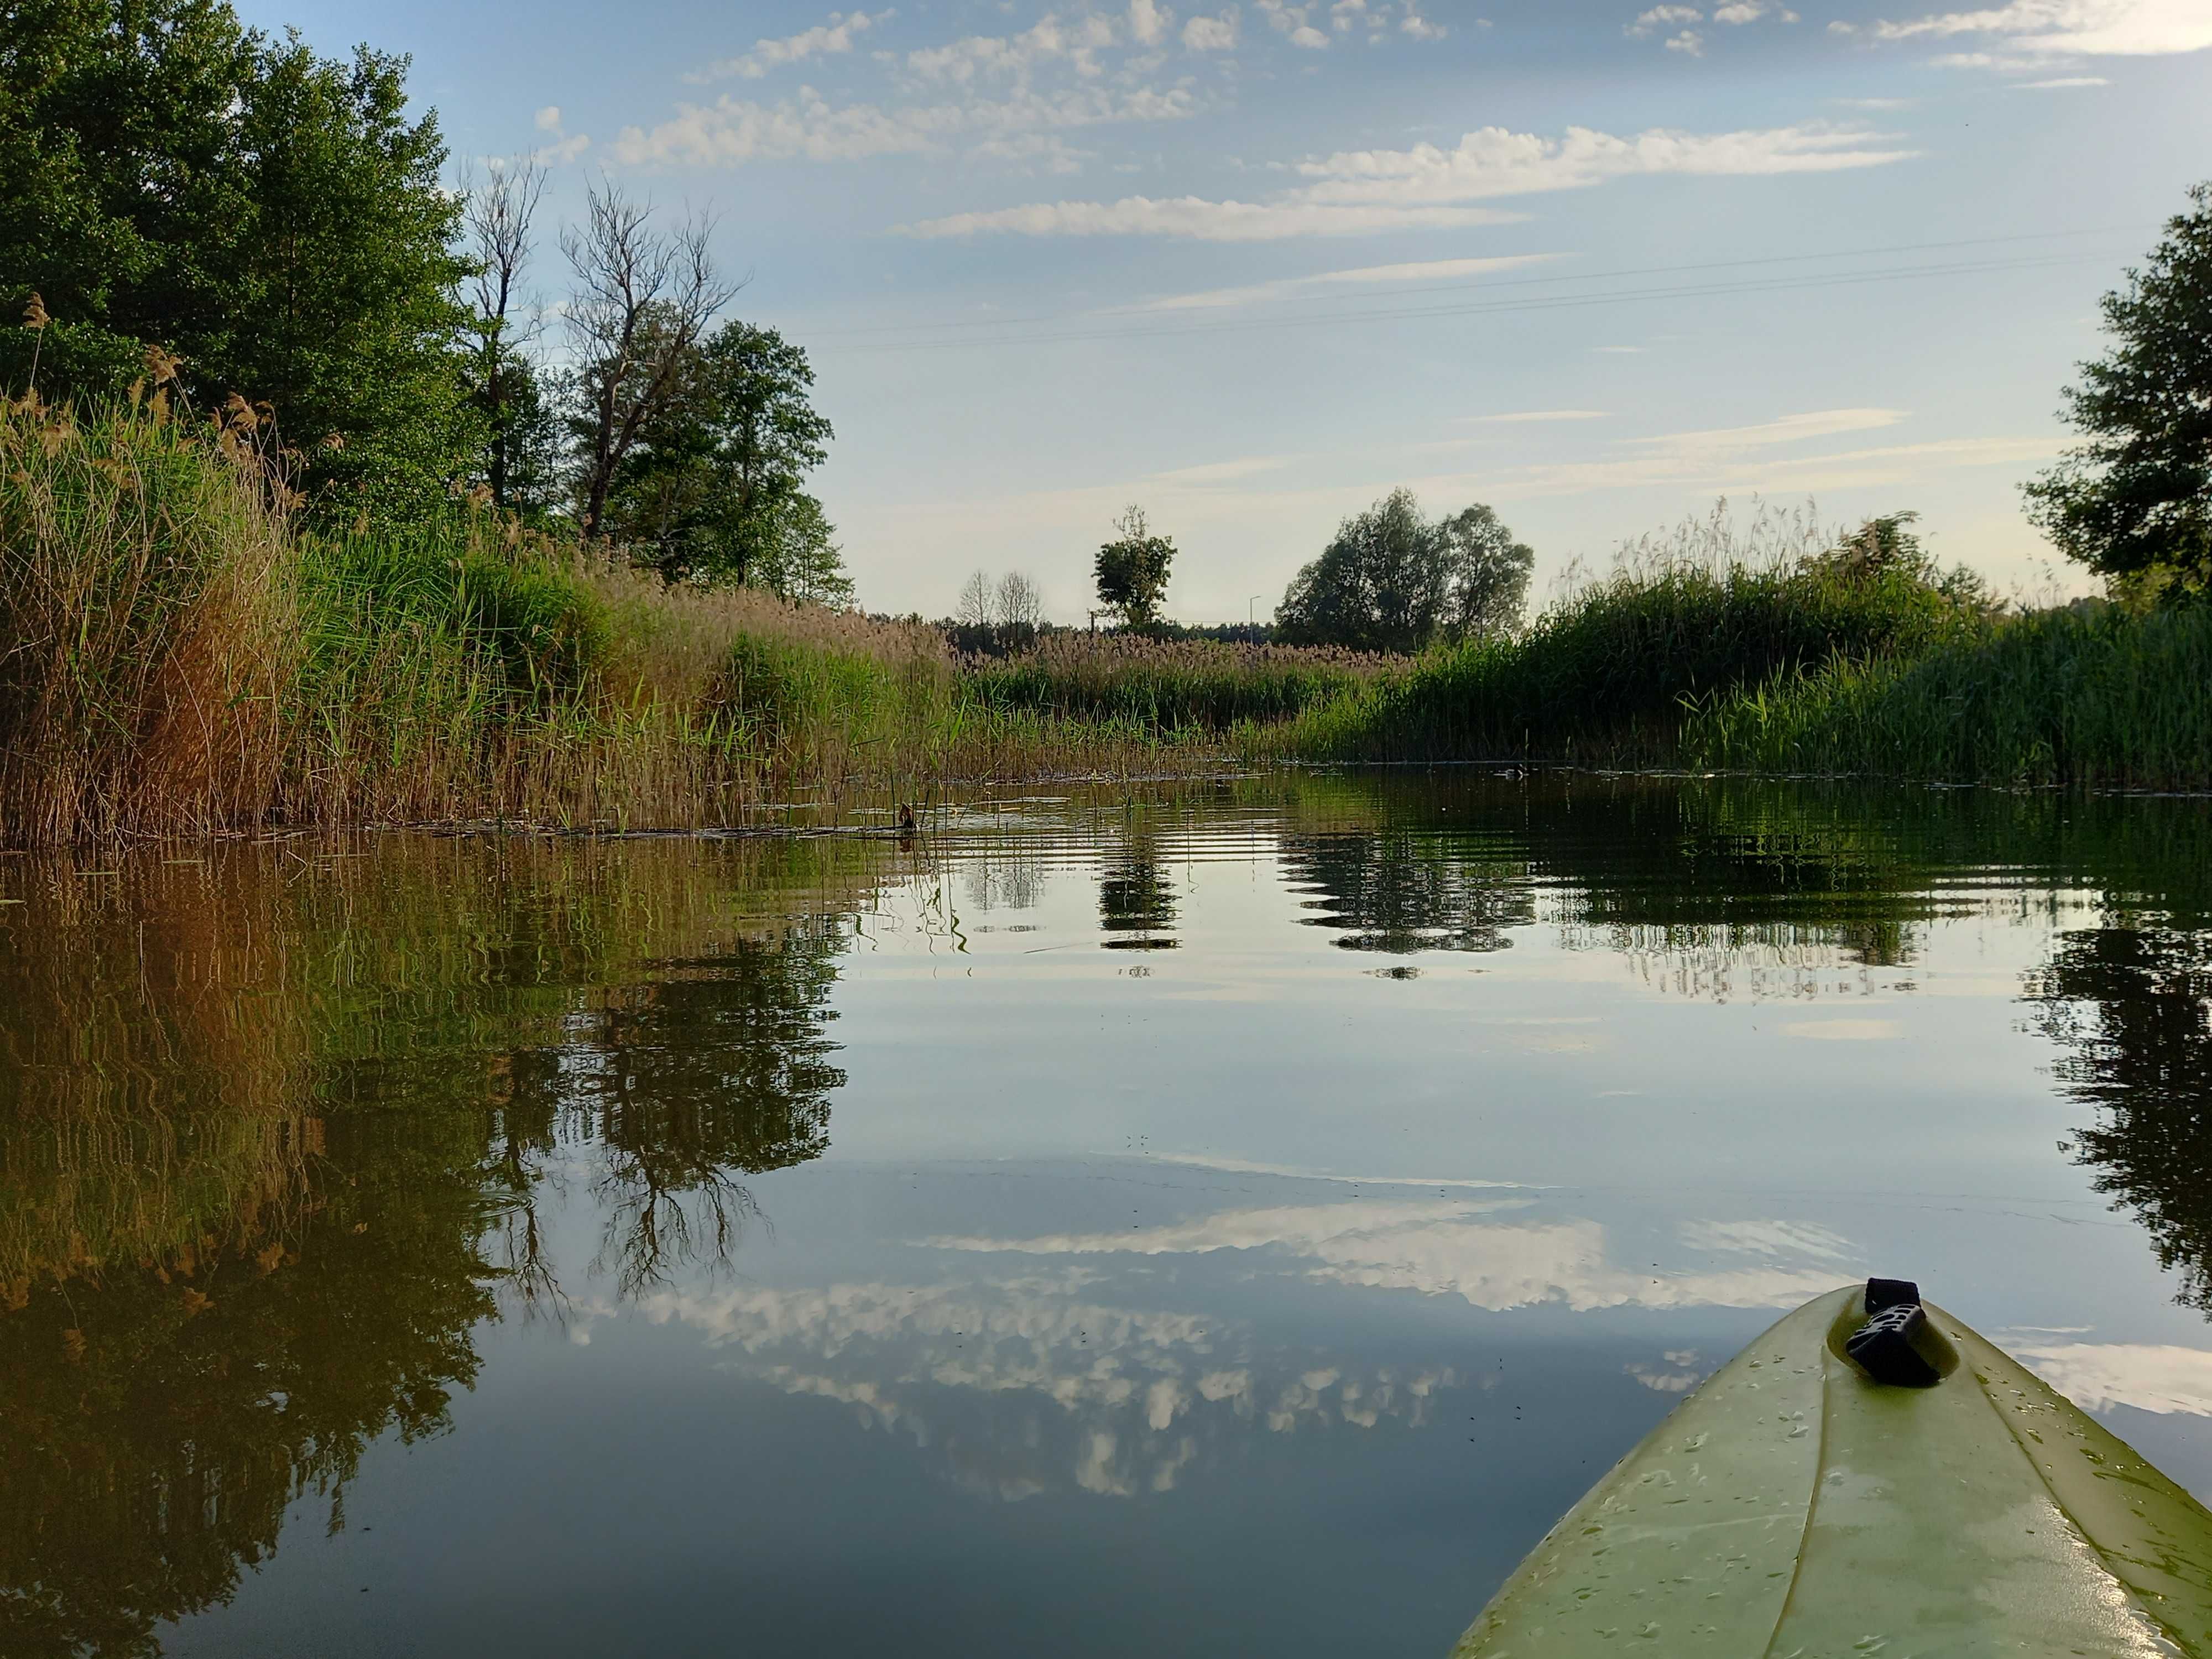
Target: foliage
{"type": "Point", "coordinates": [2134, 503]}
{"type": "Point", "coordinates": [1393, 581]}
{"type": "Point", "coordinates": [714, 491]}
{"type": "Point", "coordinates": [1131, 570]}
{"type": "Point", "coordinates": [272, 218]}
{"type": "Point", "coordinates": [2085, 695]}
{"type": "Point", "coordinates": [1605, 673]}
{"type": "Point", "coordinates": [1166, 686]}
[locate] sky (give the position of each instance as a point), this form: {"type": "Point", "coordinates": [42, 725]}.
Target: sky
{"type": "Point", "coordinates": [1253, 263]}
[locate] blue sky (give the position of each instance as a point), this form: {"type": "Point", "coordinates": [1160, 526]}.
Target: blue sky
{"type": "Point", "coordinates": [1253, 263]}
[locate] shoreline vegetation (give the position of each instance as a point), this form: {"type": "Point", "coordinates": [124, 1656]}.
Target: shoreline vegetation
{"type": "Point", "coordinates": [187, 654]}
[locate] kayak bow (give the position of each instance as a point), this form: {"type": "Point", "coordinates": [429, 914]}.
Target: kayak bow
{"type": "Point", "coordinates": [1793, 1505]}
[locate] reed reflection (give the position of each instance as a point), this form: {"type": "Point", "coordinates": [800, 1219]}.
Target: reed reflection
{"type": "Point", "coordinates": [264, 1175]}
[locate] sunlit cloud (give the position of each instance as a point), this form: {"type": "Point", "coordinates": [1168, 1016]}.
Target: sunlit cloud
{"type": "Point", "coordinates": [2048, 29]}
{"type": "Point", "coordinates": [824, 39]}
{"type": "Point", "coordinates": [1356, 192]}
{"type": "Point", "coordinates": [1285, 288]}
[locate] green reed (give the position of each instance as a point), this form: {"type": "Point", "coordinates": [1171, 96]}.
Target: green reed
{"type": "Point", "coordinates": [2093, 697]}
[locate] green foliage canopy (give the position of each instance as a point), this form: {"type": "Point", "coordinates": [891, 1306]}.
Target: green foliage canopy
{"type": "Point", "coordinates": [1131, 570]}
{"type": "Point", "coordinates": [2134, 503]}
{"type": "Point", "coordinates": [714, 491]}
{"type": "Point", "coordinates": [169, 177]}
{"type": "Point", "coordinates": [1393, 579]}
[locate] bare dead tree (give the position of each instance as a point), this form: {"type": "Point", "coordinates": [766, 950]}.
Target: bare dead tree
{"type": "Point", "coordinates": [496, 222]}
{"type": "Point", "coordinates": [974, 607]}
{"type": "Point", "coordinates": [641, 301]}
{"type": "Point", "coordinates": [1021, 608]}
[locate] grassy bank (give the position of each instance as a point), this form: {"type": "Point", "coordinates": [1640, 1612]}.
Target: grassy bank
{"type": "Point", "coordinates": [1604, 676]}
{"type": "Point", "coordinates": [2097, 698]}
{"type": "Point", "coordinates": [182, 656]}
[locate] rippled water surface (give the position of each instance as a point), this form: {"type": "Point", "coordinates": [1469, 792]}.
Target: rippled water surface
{"type": "Point", "coordinates": [1176, 1221]}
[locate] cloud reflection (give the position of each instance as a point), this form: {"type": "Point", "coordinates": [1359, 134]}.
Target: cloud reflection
{"type": "Point", "coordinates": [1030, 1385]}
{"type": "Point", "coordinates": [1449, 1247]}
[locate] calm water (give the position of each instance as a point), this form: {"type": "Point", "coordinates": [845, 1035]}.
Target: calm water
{"type": "Point", "coordinates": [1193, 1222]}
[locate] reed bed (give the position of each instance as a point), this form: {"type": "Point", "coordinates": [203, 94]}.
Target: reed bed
{"type": "Point", "coordinates": [182, 656]}
{"type": "Point", "coordinates": [1604, 675]}
{"type": "Point", "coordinates": [2093, 697]}
{"type": "Point", "coordinates": [1170, 685]}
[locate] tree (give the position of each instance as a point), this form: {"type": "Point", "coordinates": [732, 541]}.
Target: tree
{"type": "Point", "coordinates": [1020, 609]}
{"type": "Point", "coordinates": [2134, 503]}
{"type": "Point", "coordinates": [974, 610]}
{"type": "Point", "coordinates": [1131, 570]}
{"type": "Point", "coordinates": [500, 378]}
{"type": "Point", "coordinates": [640, 302]}
{"type": "Point", "coordinates": [715, 487]}
{"type": "Point", "coordinates": [802, 561]}
{"type": "Point", "coordinates": [1393, 581]}
{"type": "Point", "coordinates": [1489, 574]}
{"type": "Point", "coordinates": [275, 219]}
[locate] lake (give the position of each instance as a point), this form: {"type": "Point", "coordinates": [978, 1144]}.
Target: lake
{"type": "Point", "coordinates": [1164, 1220]}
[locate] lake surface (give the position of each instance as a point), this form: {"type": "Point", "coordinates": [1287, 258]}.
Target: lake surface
{"type": "Point", "coordinates": [1166, 1220]}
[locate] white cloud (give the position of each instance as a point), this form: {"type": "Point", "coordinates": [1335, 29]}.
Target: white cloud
{"type": "Point", "coordinates": [2046, 29]}
{"type": "Point", "coordinates": [2059, 81]}
{"type": "Point", "coordinates": [1689, 42]}
{"type": "Point", "coordinates": [1198, 219]}
{"type": "Point", "coordinates": [1663, 17]}
{"type": "Point", "coordinates": [1421, 28]}
{"type": "Point", "coordinates": [1425, 270]}
{"type": "Point", "coordinates": [1788, 430]}
{"type": "Point", "coordinates": [1216, 33]}
{"type": "Point", "coordinates": [565, 146]}
{"type": "Point", "coordinates": [1534, 415]}
{"type": "Point", "coordinates": [1356, 192]}
{"type": "Point", "coordinates": [824, 40]}
{"type": "Point", "coordinates": [1294, 21]}
{"type": "Point", "coordinates": [1148, 20]}
{"type": "Point", "coordinates": [1013, 56]}
{"type": "Point", "coordinates": [1742, 11]}
{"type": "Point", "coordinates": [732, 131]}
{"type": "Point", "coordinates": [1873, 103]}
{"type": "Point", "coordinates": [1492, 161]}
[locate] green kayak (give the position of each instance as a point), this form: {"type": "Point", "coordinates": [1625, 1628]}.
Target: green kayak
{"type": "Point", "coordinates": [1795, 1508]}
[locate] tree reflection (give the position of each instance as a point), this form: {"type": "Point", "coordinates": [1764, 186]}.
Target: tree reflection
{"type": "Point", "coordinates": [1136, 900]}
{"type": "Point", "coordinates": [717, 1068]}
{"type": "Point", "coordinates": [1401, 892]}
{"type": "Point", "coordinates": [256, 1232]}
{"type": "Point", "coordinates": [2134, 1003]}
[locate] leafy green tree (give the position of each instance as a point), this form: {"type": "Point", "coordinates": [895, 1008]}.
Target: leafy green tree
{"type": "Point", "coordinates": [2134, 503]}
{"type": "Point", "coordinates": [1131, 570]}
{"type": "Point", "coordinates": [1392, 580]}
{"type": "Point", "coordinates": [170, 177]}
{"type": "Point", "coordinates": [714, 491]}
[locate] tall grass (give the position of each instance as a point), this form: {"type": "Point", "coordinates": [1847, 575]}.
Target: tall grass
{"type": "Point", "coordinates": [1169, 685]}
{"type": "Point", "coordinates": [178, 656]}
{"type": "Point", "coordinates": [2097, 698]}
{"type": "Point", "coordinates": [1603, 675]}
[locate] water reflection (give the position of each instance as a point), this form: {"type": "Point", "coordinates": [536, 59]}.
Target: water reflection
{"type": "Point", "coordinates": [1402, 892]}
{"type": "Point", "coordinates": [263, 1180]}
{"type": "Point", "coordinates": [2133, 1002]}
{"type": "Point", "coordinates": [290, 1135]}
